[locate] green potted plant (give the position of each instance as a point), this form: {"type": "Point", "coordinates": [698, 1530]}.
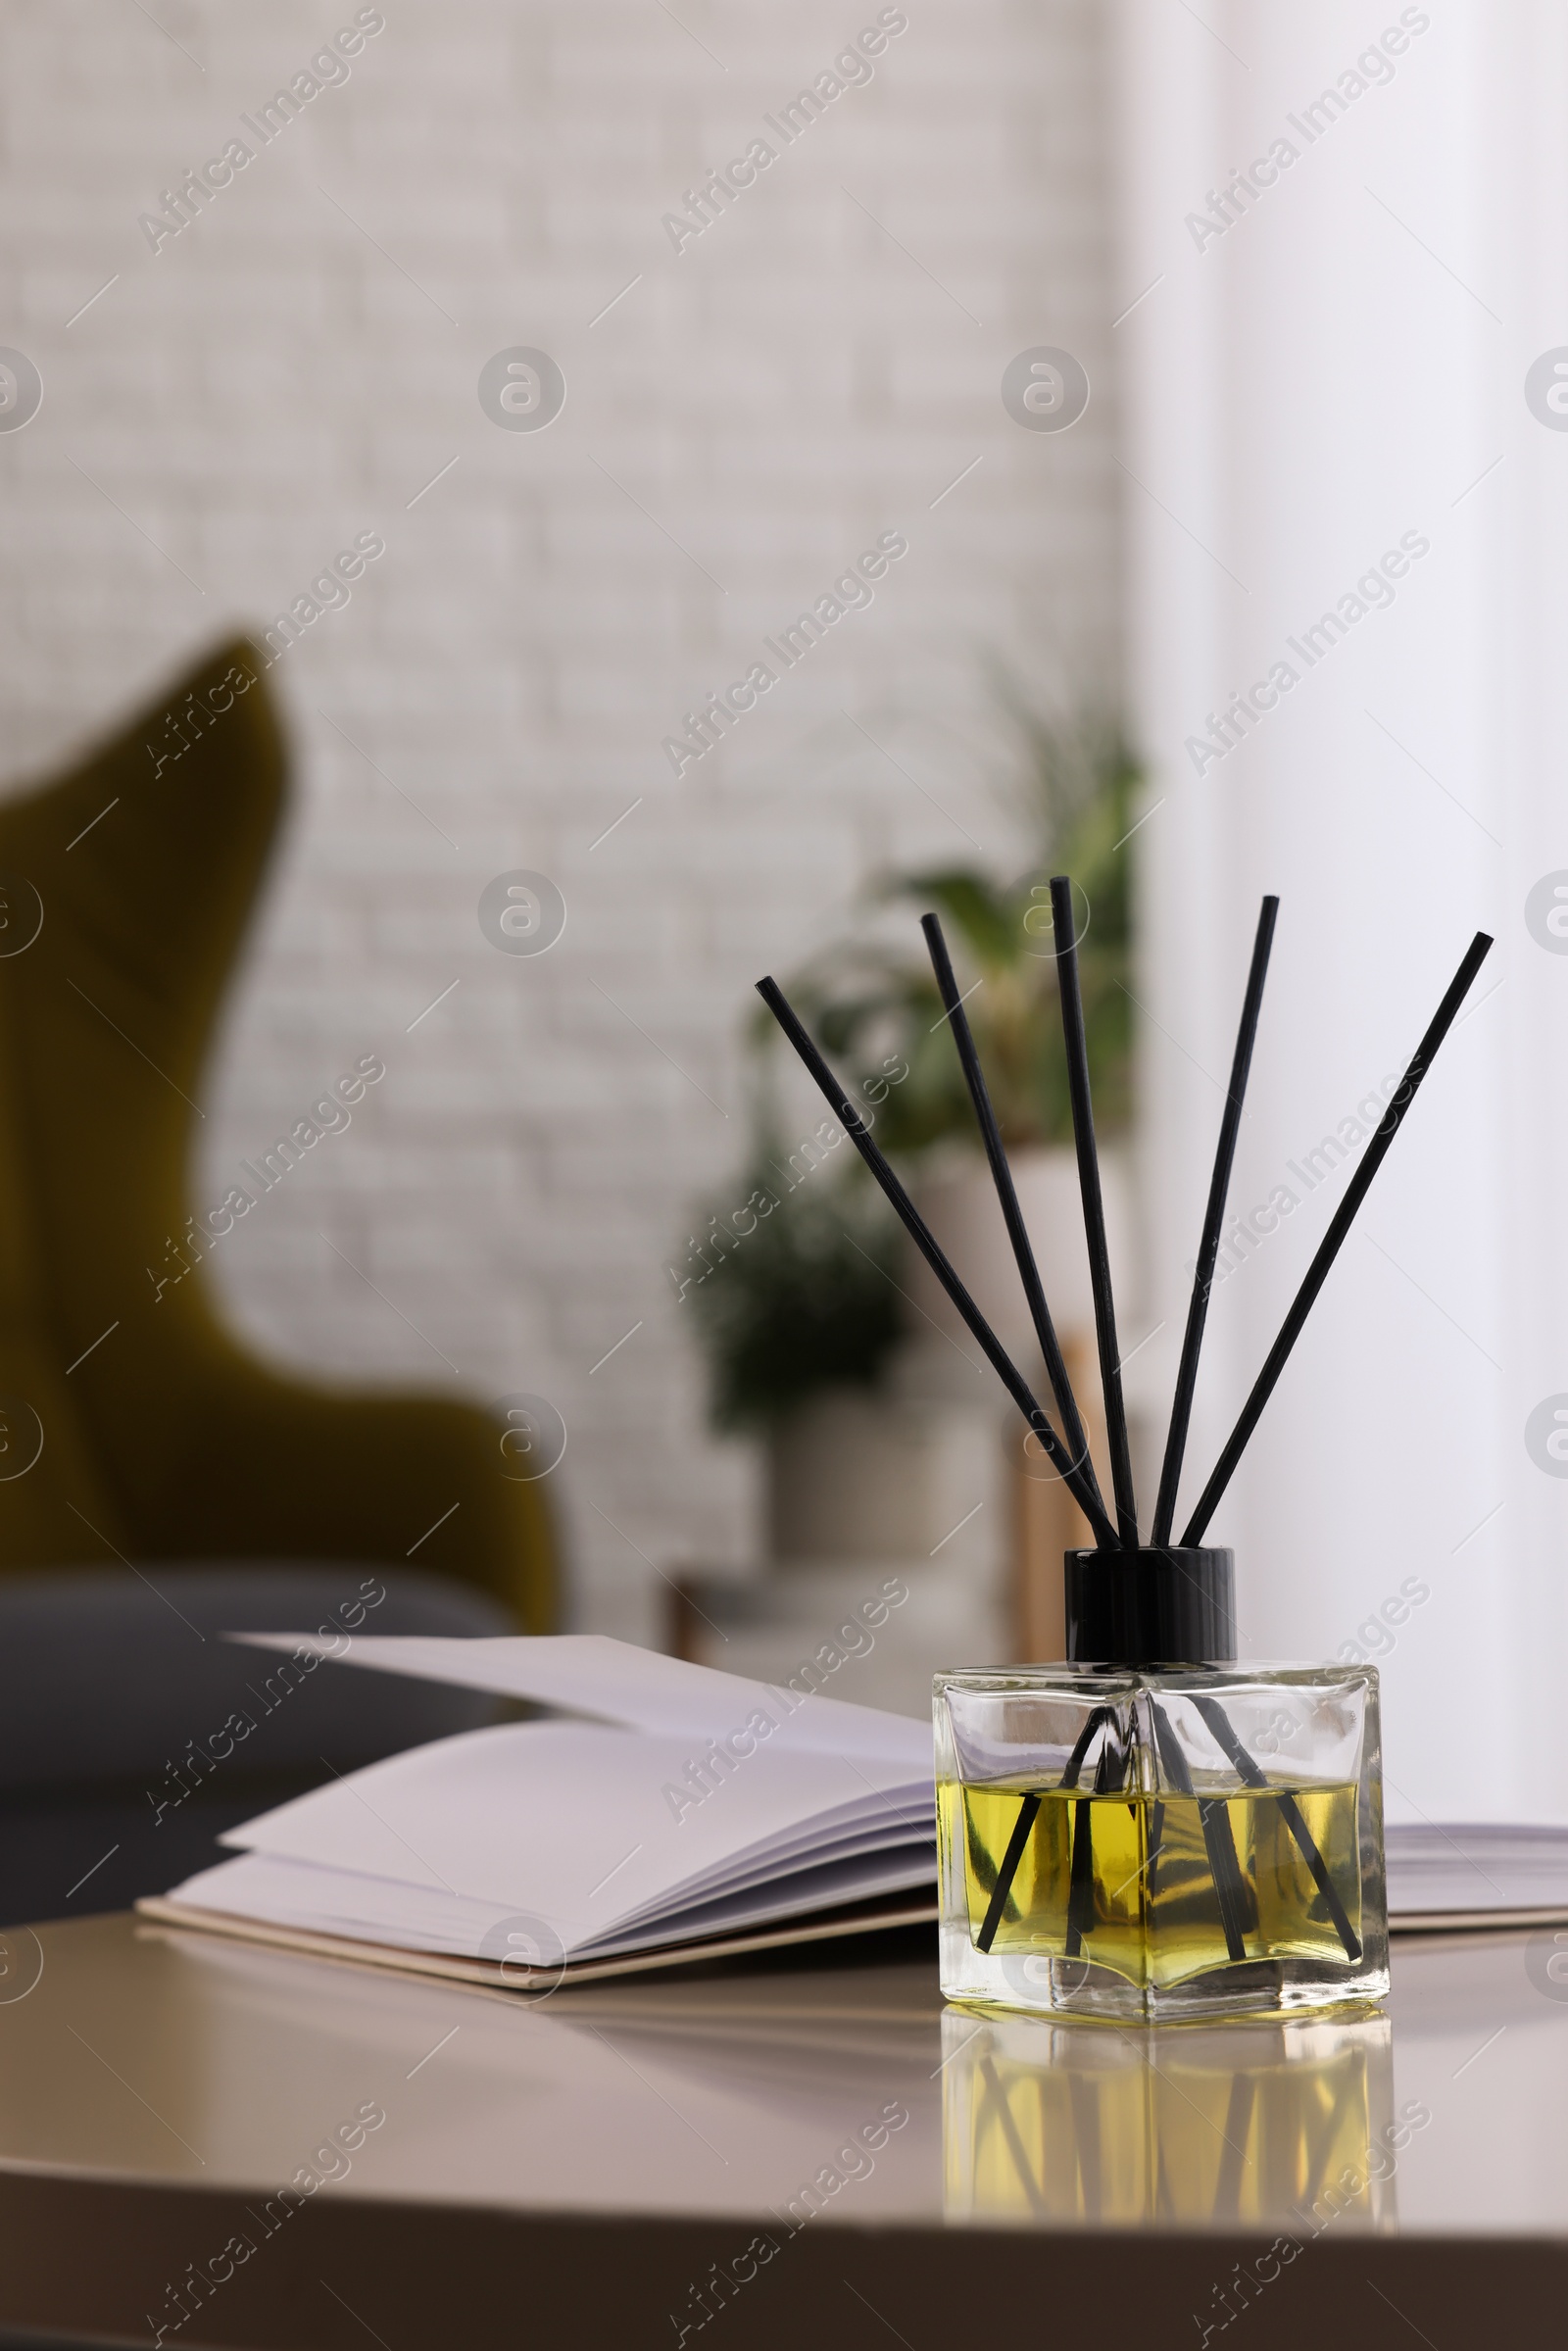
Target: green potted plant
{"type": "Point", "coordinates": [795, 1292]}
{"type": "Point", "coordinates": [1078, 792]}
{"type": "Point", "coordinates": [800, 1295]}
{"type": "Point", "coordinates": [1078, 786]}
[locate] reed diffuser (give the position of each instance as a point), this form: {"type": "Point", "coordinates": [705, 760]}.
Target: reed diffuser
{"type": "Point", "coordinates": [1150, 1830]}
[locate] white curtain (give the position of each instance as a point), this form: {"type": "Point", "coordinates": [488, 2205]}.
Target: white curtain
{"type": "Point", "coordinates": [1325, 413]}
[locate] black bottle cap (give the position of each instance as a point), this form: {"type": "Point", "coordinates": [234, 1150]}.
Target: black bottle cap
{"type": "Point", "coordinates": [1175, 1606]}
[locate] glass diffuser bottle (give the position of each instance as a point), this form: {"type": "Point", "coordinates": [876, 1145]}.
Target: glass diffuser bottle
{"type": "Point", "coordinates": [1155, 1832]}
{"type": "Point", "coordinates": [1148, 1831]}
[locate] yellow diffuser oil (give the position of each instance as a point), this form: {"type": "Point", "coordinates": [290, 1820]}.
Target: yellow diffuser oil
{"type": "Point", "coordinates": [1128, 1881]}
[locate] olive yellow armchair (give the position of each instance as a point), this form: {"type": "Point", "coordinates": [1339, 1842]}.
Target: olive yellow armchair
{"type": "Point", "coordinates": [133, 1422]}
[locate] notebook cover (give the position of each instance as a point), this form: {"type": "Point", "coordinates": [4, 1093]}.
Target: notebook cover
{"type": "Point", "coordinates": [860, 1918]}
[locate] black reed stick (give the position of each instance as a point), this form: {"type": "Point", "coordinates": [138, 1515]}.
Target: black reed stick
{"type": "Point", "coordinates": [1181, 1412]}
{"type": "Point", "coordinates": [1218, 1843]}
{"type": "Point", "coordinates": [1007, 1872]}
{"type": "Point", "coordinates": [1317, 1272]}
{"type": "Point", "coordinates": [1252, 1773]}
{"type": "Point", "coordinates": [920, 1233]}
{"type": "Point", "coordinates": [1080, 1879]}
{"type": "Point", "coordinates": [1006, 1193]}
{"type": "Point", "coordinates": [1025, 1821]}
{"type": "Point", "coordinates": [1081, 1868]}
{"type": "Point", "coordinates": [1083, 1127]}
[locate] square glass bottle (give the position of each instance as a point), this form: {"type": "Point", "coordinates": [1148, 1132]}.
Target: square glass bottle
{"type": "Point", "coordinates": [1145, 1842]}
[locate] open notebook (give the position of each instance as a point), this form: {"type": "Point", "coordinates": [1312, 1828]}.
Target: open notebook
{"type": "Point", "coordinates": [1474, 1874]}
{"type": "Point", "coordinates": [696, 1813]}
{"type": "Point", "coordinates": [678, 1814]}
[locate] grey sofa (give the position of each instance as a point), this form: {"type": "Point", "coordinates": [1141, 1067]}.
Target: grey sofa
{"type": "Point", "coordinates": [131, 1734]}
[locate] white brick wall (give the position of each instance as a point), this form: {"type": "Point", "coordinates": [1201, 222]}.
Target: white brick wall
{"type": "Point", "coordinates": [799, 379]}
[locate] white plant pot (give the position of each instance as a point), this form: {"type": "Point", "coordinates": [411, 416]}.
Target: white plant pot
{"type": "Point", "coordinates": [965, 1218]}
{"type": "Point", "coordinates": [855, 1476]}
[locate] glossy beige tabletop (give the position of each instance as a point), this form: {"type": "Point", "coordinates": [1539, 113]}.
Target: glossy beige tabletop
{"type": "Point", "coordinates": [803, 2101]}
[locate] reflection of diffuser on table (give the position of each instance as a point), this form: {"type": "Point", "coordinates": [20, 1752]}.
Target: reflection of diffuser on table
{"type": "Point", "coordinates": [1111, 1841]}
{"type": "Point", "coordinates": [1263, 2128]}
